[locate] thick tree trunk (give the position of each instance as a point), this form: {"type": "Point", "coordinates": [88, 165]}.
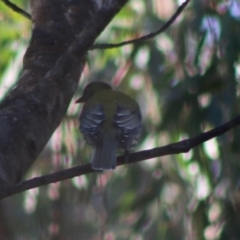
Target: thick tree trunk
{"type": "Point", "coordinates": [62, 33]}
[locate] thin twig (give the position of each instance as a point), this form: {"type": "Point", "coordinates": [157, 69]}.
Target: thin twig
{"type": "Point", "coordinates": [174, 148]}
{"type": "Point", "coordinates": [145, 37]}
{"type": "Point", "coordinates": [17, 9]}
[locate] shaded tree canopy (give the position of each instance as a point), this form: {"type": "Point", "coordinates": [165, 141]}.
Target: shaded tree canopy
{"type": "Point", "coordinates": [184, 73]}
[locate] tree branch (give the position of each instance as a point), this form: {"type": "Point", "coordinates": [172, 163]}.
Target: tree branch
{"type": "Point", "coordinates": [145, 37]}
{"type": "Point", "coordinates": [52, 67]}
{"type": "Point", "coordinates": [17, 9]}
{"type": "Point", "coordinates": [174, 148]}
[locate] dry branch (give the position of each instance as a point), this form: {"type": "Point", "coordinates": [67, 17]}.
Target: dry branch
{"type": "Point", "coordinates": [174, 148]}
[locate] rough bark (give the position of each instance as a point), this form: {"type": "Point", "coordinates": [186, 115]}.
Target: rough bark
{"type": "Point", "coordinates": [62, 33]}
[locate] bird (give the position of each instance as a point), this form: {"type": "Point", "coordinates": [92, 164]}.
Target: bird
{"type": "Point", "coordinates": [109, 120]}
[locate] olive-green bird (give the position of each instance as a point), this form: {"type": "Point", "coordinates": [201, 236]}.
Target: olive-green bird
{"type": "Point", "coordinates": [109, 120]}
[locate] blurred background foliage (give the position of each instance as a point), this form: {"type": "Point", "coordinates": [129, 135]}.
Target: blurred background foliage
{"type": "Point", "coordinates": [186, 81]}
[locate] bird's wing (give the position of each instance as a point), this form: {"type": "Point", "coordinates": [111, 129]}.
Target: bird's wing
{"type": "Point", "coordinates": [129, 123]}
{"type": "Point", "coordinates": [91, 120]}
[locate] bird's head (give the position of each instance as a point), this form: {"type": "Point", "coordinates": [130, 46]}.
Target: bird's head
{"type": "Point", "coordinates": [91, 89]}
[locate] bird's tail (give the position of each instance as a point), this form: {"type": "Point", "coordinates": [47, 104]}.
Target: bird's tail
{"type": "Point", "coordinates": [104, 156]}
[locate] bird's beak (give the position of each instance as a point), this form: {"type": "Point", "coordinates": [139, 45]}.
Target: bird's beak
{"type": "Point", "coordinates": [80, 100]}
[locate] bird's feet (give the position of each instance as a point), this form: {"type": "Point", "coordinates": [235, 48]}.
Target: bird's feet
{"type": "Point", "coordinates": [126, 156]}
